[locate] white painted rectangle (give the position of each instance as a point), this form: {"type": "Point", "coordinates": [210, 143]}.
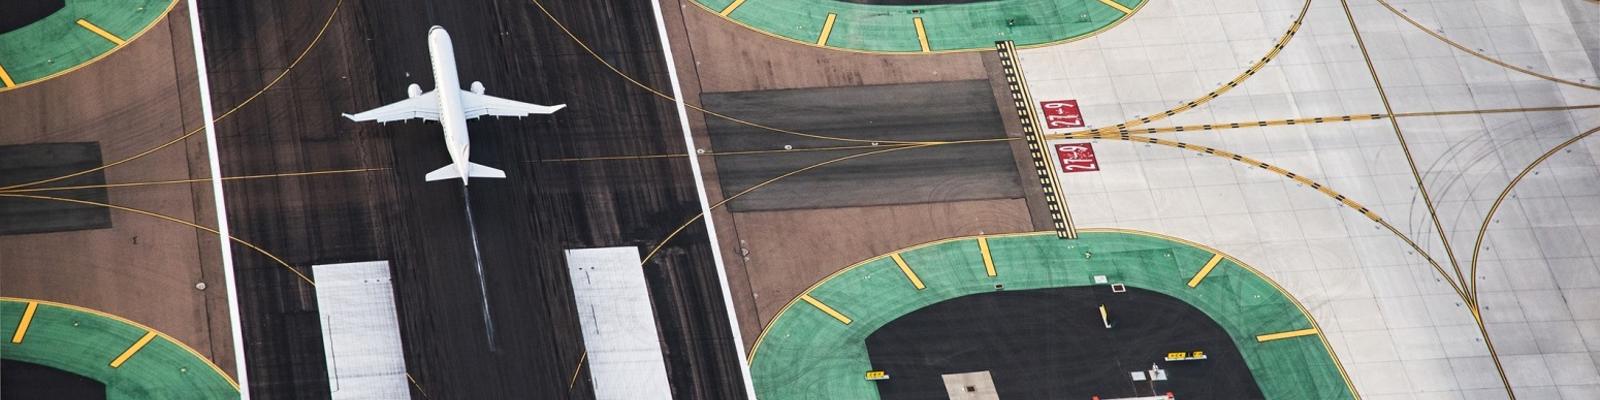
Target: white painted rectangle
{"type": "Point", "coordinates": [619, 326]}
{"type": "Point", "coordinates": [360, 331]}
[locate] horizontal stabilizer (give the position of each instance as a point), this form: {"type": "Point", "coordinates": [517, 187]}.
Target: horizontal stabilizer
{"type": "Point", "coordinates": [473, 171]}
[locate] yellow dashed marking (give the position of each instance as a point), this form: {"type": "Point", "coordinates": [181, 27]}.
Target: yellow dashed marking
{"type": "Point", "coordinates": [1285, 335]}
{"type": "Point", "coordinates": [27, 319]}
{"type": "Point", "coordinates": [825, 309]}
{"type": "Point", "coordinates": [102, 32]}
{"type": "Point", "coordinates": [6, 78]}
{"type": "Point", "coordinates": [988, 261]}
{"type": "Point", "coordinates": [1113, 4]}
{"type": "Point", "coordinates": [149, 335]}
{"type": "Point", "coordinates": [827, 27]}
{"type": "Point", "coordinates": [731, 7]}
{"type": "Point", "coordinates": [1206, 270]}
{"type": "Point", "coordinates": [906, 269]}
{"type": "Point", "coordinates": [922, 33]}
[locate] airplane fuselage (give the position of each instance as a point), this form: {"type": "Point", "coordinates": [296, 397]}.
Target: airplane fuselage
{"type": "Point", "coordinates": [448, 85]}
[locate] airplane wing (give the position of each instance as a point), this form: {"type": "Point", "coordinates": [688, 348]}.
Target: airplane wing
{"type": "Point", "coordinates": [423, 106]}
{"type": "Point", "coordinates": [476, 105]}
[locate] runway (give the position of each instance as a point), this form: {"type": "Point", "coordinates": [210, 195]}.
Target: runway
{"type": "Point", "coordinates": [366, 57]}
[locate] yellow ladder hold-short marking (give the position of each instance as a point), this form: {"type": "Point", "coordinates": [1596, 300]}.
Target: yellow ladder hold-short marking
{"type": "Point", "coordinates": [988, 261]}
{"type": "Point", "coordinates": [27, 319]}
{"type": "Point", "coordinates": [827, 28]}
{"type": "Point", "coordinates": [906, 269]}
{"type": "Point", "coordinates": [729, 9]}
{"type": "Point", "coordinates": [1286, 335]}
{"type": "Point", "coordinates": [1114, 4]}
{"type": "Point", "coordinates": [133, 349]}
{"type": "Point", "coordinates": [922, 33]}
{"type": "Point", "coordinates": [825, 309]}
{"type": "Point", "coordinates": [102, 32]}
{"type": "Point", "coordinates": [1199, 276]}
{"type": "Point", "coordinates": [6, 78]}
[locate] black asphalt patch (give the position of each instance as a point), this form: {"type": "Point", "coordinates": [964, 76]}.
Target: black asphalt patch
{"type": "Point", "coordinates": [941, 111]}
{"type": "Point", "coordinates": [28, 381]}
{"type": "Point", "coordinates": [1051, 344]}
{"type": "Point", "coordinates": [32, 162]}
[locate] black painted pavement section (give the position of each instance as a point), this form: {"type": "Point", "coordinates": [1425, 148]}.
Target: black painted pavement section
{"type": "Point", "coordinates": [28, 381]}
{"type": "Point", "coordinates": [374, 49]}
{"type": "Point", "coordinates": [938, 111]}
{"type": "Point", "coordinates": [1051, 344]}
{"type": "Point", "coordinates": [25, 163]}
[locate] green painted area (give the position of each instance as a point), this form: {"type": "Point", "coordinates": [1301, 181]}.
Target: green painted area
{"type": "Point", "coordinates": [806, 354]}
{"type": "Point", "coordinates": [84, 343]}
{"type": "Point", "coordinates": [949, 27]}
{"type": "Point", "coordinates": [57, 44]}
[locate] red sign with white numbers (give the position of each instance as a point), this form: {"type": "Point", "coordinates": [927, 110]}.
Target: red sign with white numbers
{"type": "Point", "coordinates": [1061, 114]}
{"type": "Point", "coordinates": [1076, 157]}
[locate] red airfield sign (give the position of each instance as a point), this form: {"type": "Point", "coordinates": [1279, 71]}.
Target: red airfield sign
{"type": "Point", "coordinates": [1062, 114]}
{"type": "Point", "coordinates": [1076, 157]}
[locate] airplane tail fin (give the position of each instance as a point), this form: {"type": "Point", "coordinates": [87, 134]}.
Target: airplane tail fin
{"type": "Point", "coordinates": [473, 171]}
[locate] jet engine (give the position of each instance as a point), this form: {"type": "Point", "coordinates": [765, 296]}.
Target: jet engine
{"type": "Point", "coordinates": [414, 90]}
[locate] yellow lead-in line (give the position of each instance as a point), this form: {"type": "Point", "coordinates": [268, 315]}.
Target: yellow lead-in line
{"type": "Point", "coordinates": [1114, 4]}
{"type": "Point", "coordinates": [27, 319]}
{"type": "Point", "coordinates": [906, 269]}
{"type": "Point", "coordinates": [5, 78]}
{"type": "Point", "coordinates": [922, 34]}
{"type": "Point", "coordinates": [1286, 335]}
{"type": "Point", "coordinates": [1206, 270]}
{"type": "Point", "coordinates": [825, 309]}
{"type": "Point", "coordinates": [148, 335]}
{"type": "Point", "coordinates": [102, 32]}
{"type": "Point", "coordinates": [988, 261]}
{"type": "Point", "coordinates": [729, 9]}
{"type": "Point", "coordinates": [827, 28]}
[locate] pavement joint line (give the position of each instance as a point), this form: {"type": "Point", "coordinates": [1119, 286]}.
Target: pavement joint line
{"type": "Point", "coordinates": [27, 319]}
{"type": "Point", "coordinates": [731, 6]}
{"type": "Point", "coordinates": [1204, 271]}
{"type": "Point", "coordinates": [126, 354]}
{"type": "Point", "coordinates": [906, 269]}
{"type": "Point", "coordinates": [827, 28]}
{"type": "Point", "coordinates": [214, 164]}
{"type": "Point", "coordinates": [922, 33]}
{"type": "Point", "coordinates": [988, 260]}
{"type": "Point", "coordinates": [825, 308]}
{"type": "Point", "coordinates": [5, 78]}
{"type": "Point", "coordinates": [1286, 335]}
{"type": "Point", "coordinates": [1113, 4]}
{"type": "Point", "coordinates": [114, 39]}
{"type": "Point", "coordinates": [704, 200]}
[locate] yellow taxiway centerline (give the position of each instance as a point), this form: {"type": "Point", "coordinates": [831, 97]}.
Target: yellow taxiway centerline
{"type": "Point", "coordinates": [988, 261]}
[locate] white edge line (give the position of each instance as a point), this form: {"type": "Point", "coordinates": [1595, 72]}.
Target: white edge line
{"type": "Point", "coordinates": [221, 206]}
{"type": "Point", "coordinates": [705, 208]}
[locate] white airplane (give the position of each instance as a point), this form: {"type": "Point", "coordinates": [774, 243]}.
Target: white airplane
{"type": "Point", "coordinates": [452, 107]}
